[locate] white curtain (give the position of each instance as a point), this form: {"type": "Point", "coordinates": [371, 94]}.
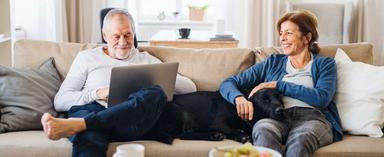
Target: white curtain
{"type": "Point", "coordinates": [79, 21]}
{"type": "Point", "coordinates": [258, 28]}
{"type": "Point", "coordinates": [41, 19]}
{"type": "Point", "coordinates": [371, 26]}
{"type": "Point", "coordinates": [65, 20]}
{"type": "Point", "coordinates": [83, 20]}
{"type": "Point", "coordinates": [261, 22]}
{"type": "Point", "coordinates": [60, 22]}
{"type": "Point", "coordinates": [95, 34]}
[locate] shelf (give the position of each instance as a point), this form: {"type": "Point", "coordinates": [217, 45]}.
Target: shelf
{"type": "Point", "coordinates": [197, 39]}
{"type": "Point", "coordinates": [4, 39]}
{"type": "Point", "coordinates": [172, 35]}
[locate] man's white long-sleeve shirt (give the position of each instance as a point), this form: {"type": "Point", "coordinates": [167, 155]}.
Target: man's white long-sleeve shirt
{"type": "Point", "coordinates": [91, 70]}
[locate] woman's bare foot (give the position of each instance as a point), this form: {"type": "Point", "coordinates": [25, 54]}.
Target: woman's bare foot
{"type": "Point", "coordinates": [56, 128]}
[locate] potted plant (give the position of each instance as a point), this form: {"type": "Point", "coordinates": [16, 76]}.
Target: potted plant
{"type": "Point", "coordinates": [197, 12]}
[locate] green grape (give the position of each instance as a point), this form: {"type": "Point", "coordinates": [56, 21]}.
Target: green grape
{"type": "Point", "coordinates": [244, 150]}
{"type": "Point", "coordinates": [228, 154]}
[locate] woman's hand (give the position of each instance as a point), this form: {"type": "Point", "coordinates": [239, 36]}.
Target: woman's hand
{"type": "Point", "coordinates": [271, 84]}
{"type": "Point", "coordinates": [244, 108]}
{"type": "Point", "coordinates": [102, 93]}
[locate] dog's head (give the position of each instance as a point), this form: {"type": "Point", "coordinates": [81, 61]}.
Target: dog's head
{"type": "Point", "coordinates": [269, 101]}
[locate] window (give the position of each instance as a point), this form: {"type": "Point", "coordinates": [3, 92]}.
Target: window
{"type": "Point", "coordinates": [151, 9]}
{"type": "Point", "coordinates": [148, 12]}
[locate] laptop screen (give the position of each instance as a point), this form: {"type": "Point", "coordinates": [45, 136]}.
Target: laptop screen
{"type": "Point", "coordinates": [129, 79]}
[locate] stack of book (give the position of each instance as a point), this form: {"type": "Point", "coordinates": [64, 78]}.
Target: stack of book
{"type": "Point", "coordinates": [223, 37]}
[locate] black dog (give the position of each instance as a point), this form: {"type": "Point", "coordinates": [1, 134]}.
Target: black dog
{"type": "Point", "coordinates": [267, 103]}
{"type": "Point", "coordinates": [207, 116]}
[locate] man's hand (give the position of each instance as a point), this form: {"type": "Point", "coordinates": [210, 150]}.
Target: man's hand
{"type": "Point", "coordinates": [244, 108]}
{"type": "Point", "coordinates": [271, 84]}
{"type": "Point", "coordinates": [102, 93]}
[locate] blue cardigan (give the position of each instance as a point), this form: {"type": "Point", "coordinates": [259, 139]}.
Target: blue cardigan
{"type": "Point", "coordinates": [273, 69]}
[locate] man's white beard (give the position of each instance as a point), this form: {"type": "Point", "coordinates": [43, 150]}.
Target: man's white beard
{"type": "Point", "coordinates": [119, 56]}
{"type": "Point", "coordinates": [130, 52]}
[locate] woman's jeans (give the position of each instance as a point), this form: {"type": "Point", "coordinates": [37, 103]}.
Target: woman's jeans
{"type": "Point", "coordinates": [303, 131]}
{"type": "Point", "coordinates": [126, 121]}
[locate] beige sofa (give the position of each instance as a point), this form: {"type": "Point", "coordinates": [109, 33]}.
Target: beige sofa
{"type": "Point", "coordinates": [206, 67]}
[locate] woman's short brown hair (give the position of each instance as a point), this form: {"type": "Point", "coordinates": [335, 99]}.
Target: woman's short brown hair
{"type": "Point", "coordinates": [307, 23]}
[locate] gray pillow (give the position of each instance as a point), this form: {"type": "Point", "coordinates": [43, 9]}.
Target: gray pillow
{"type": "Point", "coordinates": [25, 94]}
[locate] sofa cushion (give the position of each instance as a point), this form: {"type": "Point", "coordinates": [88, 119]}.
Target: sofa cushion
{"type": "Point", "coordinates": [353, 146]}
{"type": "Point", "coordinates": [206, 67]}
{"type": "Point", "coordinates": [359, 52]}
{"type": "Point", "coordinates": [33, 144]}
{"type": "Point", "coordinates": [30, 53]}
{"type": "Point", "coordinates": [359, 96]}
{"type": "Point", "coordinates": [26, 94]}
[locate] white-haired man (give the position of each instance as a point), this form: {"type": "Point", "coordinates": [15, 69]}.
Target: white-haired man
{"type": "Point", "coordinates": [91, 126]}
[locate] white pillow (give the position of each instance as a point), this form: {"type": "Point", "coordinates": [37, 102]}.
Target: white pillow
{"type": "Point", "coordinates": [359, 96]}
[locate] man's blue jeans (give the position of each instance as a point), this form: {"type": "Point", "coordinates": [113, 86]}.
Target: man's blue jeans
{"type": "Point", "coordinates": [126, 121]}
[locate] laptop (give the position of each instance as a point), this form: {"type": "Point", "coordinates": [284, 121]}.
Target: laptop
{"type": "Point", "coordinates": [129, 79]}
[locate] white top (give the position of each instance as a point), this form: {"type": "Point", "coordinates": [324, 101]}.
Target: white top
{"type": "Point", "coordinates": [301, 76]}
{"type": "Point", "coordinates": [92, 69]}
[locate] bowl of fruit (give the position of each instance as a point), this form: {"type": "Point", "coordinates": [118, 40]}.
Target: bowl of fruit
{"type": "Point", "coordinates": [245, 150]}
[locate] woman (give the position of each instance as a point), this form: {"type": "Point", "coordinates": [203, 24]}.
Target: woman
{"type": "Point", "coordinates": [307, 82]}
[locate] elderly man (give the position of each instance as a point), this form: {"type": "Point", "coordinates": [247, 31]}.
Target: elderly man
{"type": "Point", "coordinates": [84, 92]}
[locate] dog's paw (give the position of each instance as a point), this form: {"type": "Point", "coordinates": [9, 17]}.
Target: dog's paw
{"type": "Point", "coordinates": [240, 131]}
{"type": "Point", "coordinates": [242, 138]}
{"type": "Point", "coordinates": [218, 137]}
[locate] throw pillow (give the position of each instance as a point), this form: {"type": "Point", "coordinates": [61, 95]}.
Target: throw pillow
{"type": "Point", "coordinates": [359, 96]}
{"type": "Point", "coordinates": [25, 94]}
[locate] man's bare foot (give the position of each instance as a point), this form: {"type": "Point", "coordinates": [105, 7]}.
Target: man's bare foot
{"type": "Point", "coordinates": [56, 128]}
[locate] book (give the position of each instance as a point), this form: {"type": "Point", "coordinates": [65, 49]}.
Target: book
{"type": "Point", "coordinates": [223, 37]}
